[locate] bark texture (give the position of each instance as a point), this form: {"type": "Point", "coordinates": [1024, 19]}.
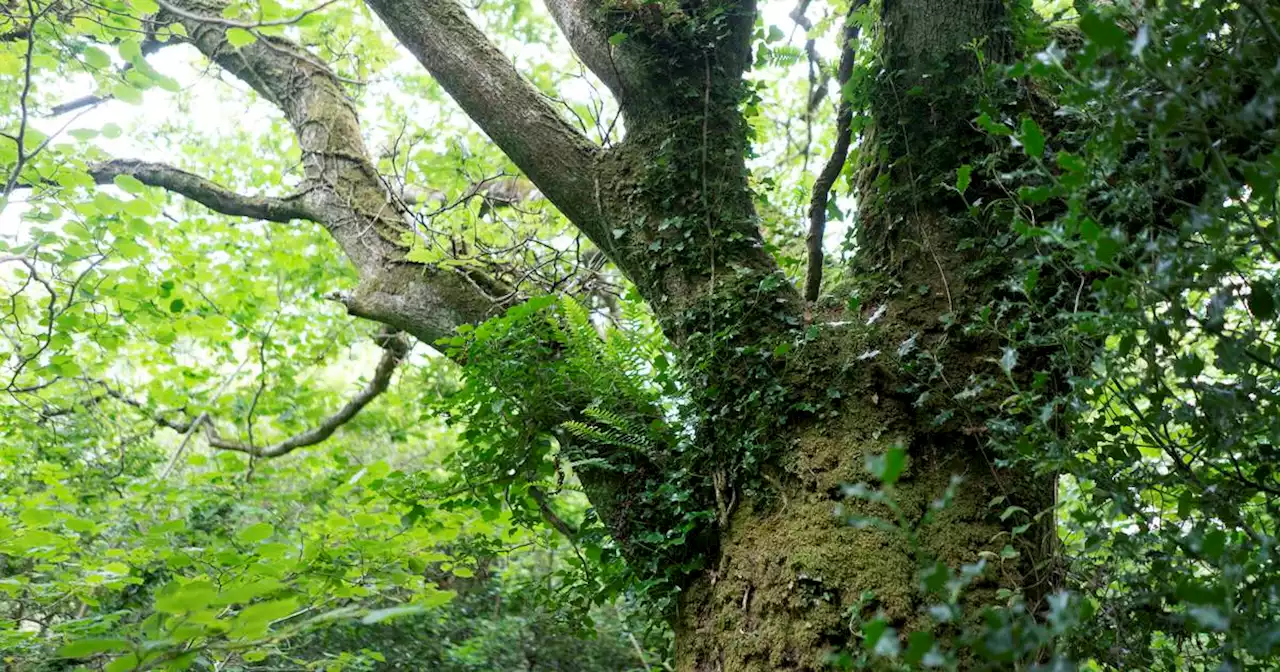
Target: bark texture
{"type": "Point", "coordinates": [671, 208]}
{"type": "Point", "coordinates": [341, 189]}
{"type": "Point", "coordinates": [792, 579]}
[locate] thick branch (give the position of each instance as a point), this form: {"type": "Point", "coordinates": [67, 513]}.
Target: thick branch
{"type": "Point", "coordinates": [203, 191]}
{"type": "Point", "coordinates": [342, 187]}
{"type": "Point", "coordinates": [555, 155]}
{"type": "Point", "coordinates": [78, 103]}
{"type": "Point", "coordinates": [349, 198]}
{"type": "Point", "coordinates": [835, 164]}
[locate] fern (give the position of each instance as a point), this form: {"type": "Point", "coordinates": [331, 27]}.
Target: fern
{"type": "Point", "coordinates": [615, 421]}
{"type": "Point", "coordinates": [784, 56]}
{"type": "Point", "coordinates": [610, 430]}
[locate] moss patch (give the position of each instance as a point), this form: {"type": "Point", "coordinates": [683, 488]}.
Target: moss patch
{"type": "Point", "coordinates": [790, 568]}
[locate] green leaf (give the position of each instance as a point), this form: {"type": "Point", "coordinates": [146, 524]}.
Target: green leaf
{"type": "Point", "coordinates": [992, 126]}
{"type": "Point", "coordinates": [253, 621]}
{"type": "Point", "coordinates": [1032, 138]}
{"type": "Point", "coordinates": [239, 37]}
{"type": "Point", "coordinates": [130, 184]}
{"type": "Point", "coordinates": [176, 598]}
{"type": "Point", "coordinates": [242, 593]}
{"type": "Point", "coordinates": [1215, 542]}
{"type": "Point", "coordinates": [873, 630]}
{"type": "Point", "coordinates": [36, 517]}
{"type": "Point", "coordinates": [1103, 31]}
{"type": "Point", "coordinates": [88, 647]}
{"type": "Point", "coordinates": [1261, 303]}
{"type": "Point", "coordinates": [1035, 195]}
{"type": "Point", "coordinates": [127, 93]}
{"type": "Point", "coordinates": [130, 51]}
{"type": "Point", "coordinates": [918, 645]}
{"type": "Point", "coordinates": [254, 533]}
{"type": "Point", "coordinates": [124, 663]}
{"type": "Point", "coordinates": [1009, 511]}
{"type": "Point", "coordinates": [963, 174]}
{"type": "Point", "coordinates": [888, 466]}
{"type": "Point", "coordinates": [1008, 360]}
{"type": "Point", "coordinates": [96, 58]}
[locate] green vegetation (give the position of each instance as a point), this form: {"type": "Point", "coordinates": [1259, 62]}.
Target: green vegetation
{"type": "Point", "coordinates": [467, 367]}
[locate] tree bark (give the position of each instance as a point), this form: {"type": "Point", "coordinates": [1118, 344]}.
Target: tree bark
{"type": "Point", "coordinates": [791, 578]}
{"type": "Point", "coordinates": [672, 208]}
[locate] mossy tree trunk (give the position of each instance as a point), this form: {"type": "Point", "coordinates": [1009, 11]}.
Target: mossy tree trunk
{"type": "Point", "coordinates": [783, 574]}
{"type": "Point", "coordinates": [792, 578]}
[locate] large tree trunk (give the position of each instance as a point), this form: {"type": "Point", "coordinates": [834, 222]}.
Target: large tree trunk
{"type": "Point", "coordinates": [793, 578]}
{"type": "Point", "coordinates": [671, 207]}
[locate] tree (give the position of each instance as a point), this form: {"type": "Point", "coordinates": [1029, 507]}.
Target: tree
{"type": "Point", "coordinates": [735, 504]}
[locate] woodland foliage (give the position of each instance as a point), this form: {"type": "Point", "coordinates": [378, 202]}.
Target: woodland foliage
{"type": "Point", "coordinates": [207, 463]}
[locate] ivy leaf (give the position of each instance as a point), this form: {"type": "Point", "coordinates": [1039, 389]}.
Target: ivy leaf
{"type": "Point", "coordinates": [1009, 360]}
{"type": "Point", "coordinates": [1103, 31]}
{"type": "Point", "coordinates": [963, 174]}
{"type": "Point", "coordinates": [918, 644]}
{"type": "Point", "coordinates": [1261, 303]}
{"type": "Point", "coordinates": [992, 126]}
{"type": "Point", "coordinates": [1141, 40]}
{"type": "Point", "coordinates": [888, 466]}
{"type": "Point", "coordinates": [1032, 138]}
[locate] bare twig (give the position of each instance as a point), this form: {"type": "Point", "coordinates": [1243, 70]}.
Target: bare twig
{"type": "Point", "coordinates": [835, 164]}
{"type": "Point", "coordinates": [24, 111]}
{"type": "Point", "coordinates": [229, 23]}
{"type": "Point", "coordinates": [395, 348]}
{"type": "Point", "coordinates": [186, 438]}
